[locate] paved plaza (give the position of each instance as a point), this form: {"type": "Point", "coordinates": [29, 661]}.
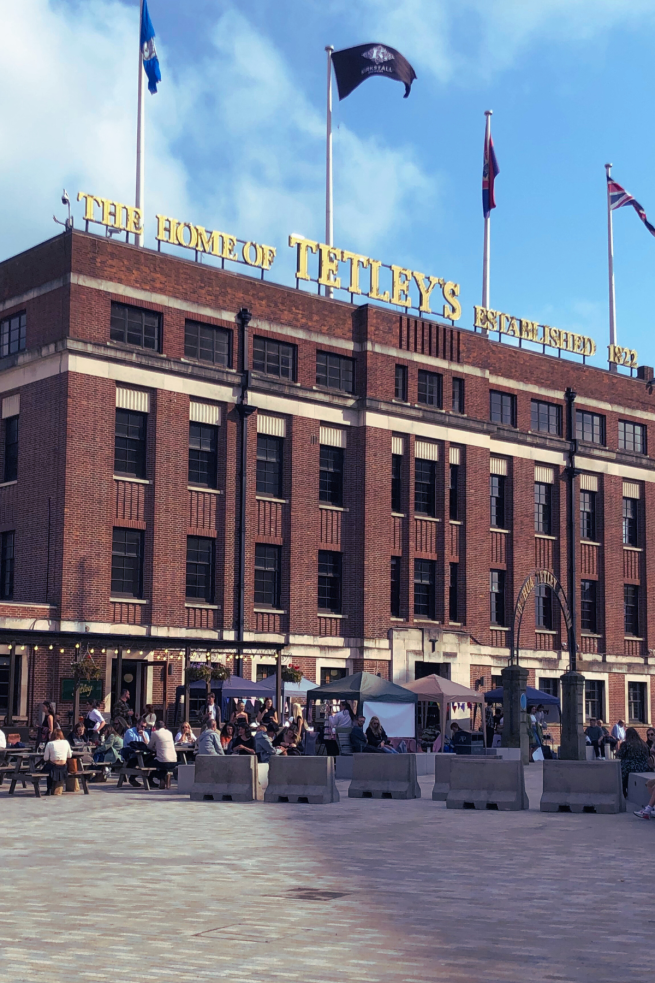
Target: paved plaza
{"type": "Point", "coordinates": [133, 886]}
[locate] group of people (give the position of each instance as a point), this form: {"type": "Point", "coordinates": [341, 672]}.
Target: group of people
{"type": "Point", "coordinates": [237, 736]}
{"type": "Point", "coordinates": [374, 739]}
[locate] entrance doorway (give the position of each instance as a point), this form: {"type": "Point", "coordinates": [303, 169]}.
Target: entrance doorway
{"type": "Point", "coordinates": [422, 669]}
{"type": "Point", "coordinates": [132, 681]}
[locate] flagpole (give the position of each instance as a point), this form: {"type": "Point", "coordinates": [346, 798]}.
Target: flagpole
{"type": "Point", "coordinates": [486, 255]}
{"type": "Point", "coordinates": [329, 224]}
{"type": "Point", "coordinates": [610, 261]}
{"type": "Point", "coordinates": [140, 134]}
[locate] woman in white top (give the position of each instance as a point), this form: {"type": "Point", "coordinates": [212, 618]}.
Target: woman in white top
{"type": "Point", "coordinates": [185, 735]}
{"type": "Point", "coordinates": [56, 755]}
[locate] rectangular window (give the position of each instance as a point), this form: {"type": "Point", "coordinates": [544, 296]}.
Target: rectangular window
{"type": "Point", "coordinates": [453, 492]}
{"type": "Point", "coordinates": [127, 563]}
{"type": "Point", "coordinates": [543, 607]}
{"type": "Point", "coordinates": [7, 566]}
{"type": "Point", "coordinates": [550, 686]}
{"type": "Point", "coordinates": [425, 475]}
{"type": "Point", "coordinates": [331, 675]}
{"type": "Point", "coordinates": [203, 440]}
{"type": "Point", "coordinates": [269, 465]}
{"type": "Point", "coordinates": [630, 522]}
{"type": "Point", "coordinates": [453, 599]}
{"type": "Point", "coordinates": [200, 568]}
{"type": "Point", "coordinates": [542, 508]}
{"type": "Point", "coordinates": [588, 606]}
{"type": "Point", "coordinates": [502, 408]}
{"type": "Point", "coordinates": [632, 437]}
{"type": "Point", "coordinates": [458, 395]}
{"type": "Point", "coordinates": [594, 699]}
{"type": "Point", "coordinates": [497, 501]}
{"type": "Point", "coordinates": [429, 388]}
{"type": "Point", "coordinates": [589, 427]}
{"type": "Point", "coordinates": [135, 326]}
{"type": "Point", "coordinates": [546, 417]}
{"type": "Point", "coordinates": [631, 609]}
{"type": "Point", "coordinates": [329, 581]}
{"type": "Point", "coordinates": [11, 449]}
{"type": "Point", "coordinates": [331, 475]}
{"type": "Point", "coordinates": [274, 358]}
{"type": "Point", "coordinates": [207, 343]}
{"type": "Point", "coordinates": [588, 515]}
{"type": "Point", "coordinates": [267, 576]}
{"type": "Point", "coordinates": [636, 703]}
{"type": "Point", "coordinates": [401, 383]}
{"type": "Point", "coordinates": [497, 597]}
{"type": "Point", "coordinates": [424, 589]}
{"type": "Point", "coordinates": [12, 334]}
{"type": "Point", "coordinates": [335, 372]}
{"type": "Point", "coordinates": [395, 586]}
{"type": "Point", "coordinates": [396, 482]}
{"type": "Point", "coordinates": [130, 444]}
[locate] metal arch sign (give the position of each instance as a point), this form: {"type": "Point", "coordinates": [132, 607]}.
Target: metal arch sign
{"type": "Point", "coordinates": [536, 579]}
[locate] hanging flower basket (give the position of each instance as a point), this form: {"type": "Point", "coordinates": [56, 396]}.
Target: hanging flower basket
{"type": "Point", "coordinates": [208, 671]}
{"type": "Point", "coordinates": [86, 670]}
{"type": "Point", "coordinates": [291, 674]}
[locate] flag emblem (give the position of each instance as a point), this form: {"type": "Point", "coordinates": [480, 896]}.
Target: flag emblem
{"type": "Point", "coordinates": [378, 54]}
{"type": "Point", "coordinates": [150, 59]}
{"type": "Point", "coordinates": [619, 197]}
{"type": "Point", "coordinates": [352, 66]}
{"type": "Point", "coordinates": [490, 171]}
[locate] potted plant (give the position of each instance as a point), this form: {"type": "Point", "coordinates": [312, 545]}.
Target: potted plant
{"type": "Point", "coordinates": [291, 674]}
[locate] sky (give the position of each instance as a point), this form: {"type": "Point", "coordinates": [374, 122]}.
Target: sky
{"type": "Point", "coordinates": [235, 136]}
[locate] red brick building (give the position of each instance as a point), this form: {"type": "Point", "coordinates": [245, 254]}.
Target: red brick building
{"type": "Point", "coordinates": [403, 477]}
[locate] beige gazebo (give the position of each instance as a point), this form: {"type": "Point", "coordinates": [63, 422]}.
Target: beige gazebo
{"type": "Point", "coordinates": [436, 689]}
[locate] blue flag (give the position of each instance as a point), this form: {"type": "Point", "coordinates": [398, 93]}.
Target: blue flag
{"type": "Point", "coordinates": [150, 60]}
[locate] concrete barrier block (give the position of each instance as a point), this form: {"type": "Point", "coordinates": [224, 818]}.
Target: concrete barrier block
{"type": "Point", "coordinates": [486, 783]}
{"type": "Point", "coordinates": [583, 786]}
{"type": "Point", "coordinates": [343, 765]}
{"type": "Point", "coordinates": [442, 765]}
{"type": "Point", "coordinates": [425, 763]}
{"type": "Point", "coordinates": [301, 779]}
{"type": "Point", "coordinates": [226, 778]}
{"type": "Point", "coordinates": [638, 791]}
{"type": "Point", "coordinates": [384, 776]}
{"type": "Point", "coordinates": [185, 778]}
{"type": "Point", "coordinates": [508, 753]}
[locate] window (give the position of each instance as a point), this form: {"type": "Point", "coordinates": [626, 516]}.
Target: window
{"type": "Point", "coordinates": [127, 563]}
{"type": "Point", "coordinates": [588, 607]}
{"type": "Point", "coordinates": [200, 568]}
{"type": "Point", "coordinates": [425, 473]}
{"type": "Point", "coordinates": [263, 671]}
{"type": "Point", "coordinates": [542, 508]}
{"type": "Point", "coordinates": [550, 686]}
{"type": "Point", "coordinates": [636, 703]}
{"type": "Point", "coordinates": [329, 675]}
{"type": "Point", "coordinates": [546, 417]}
{"type": "Point", "coordinates": [7, 566]}
{"type": "Point", "coordinates": [630, 527]}
{"type": "Point", "coordinates": [458, 395]}
{"type": "Point", "coordinates": [331, 475]}
{"type": "Point", "coordinates": [594, 699]}
{"type": "Point", "coordinates": [543, 607]}
{"type": "Point", "coordinates": [401, 383]}
{"type": "Point", "coordinates": [135, 326]}
{"type": "Point", "coordinates": [203, 439]}
{"type": "Point", "coordinates": [497, 597]}
{"type": "Point", "coordinates": [497, 501]}
{"type": "Point", "coordinates": [589, 427]}
{"type": "Point", "coordinates": [12, 334]}
{"type": "Point", "coordinates": [267, 576]}
{"type": "Point", "coordinates": [424, 589]}
{"type": "Point", "coordinates": [453, 492]}
{"type": "Point", "coordinates": [335, 372]}
{"type": "Point", "coordinates": [396, 482]}
{"type": "Point", "coordinates": [632, 437]}
{"type": "Point", "coordinates": [130, 444]}
{"type": "Point", "coordinates": [588, 515]}
{"type": "Point", "coordinates": [329, 581]}
{"type": "Point", "coordinates": [502, 408]}
{"type": "Point", "coordinates": [395, 586]}
{"type": "Point", "coordinates": [496, 682]}
{"type": "Point", "coordinates": [429, 388]}
{"type": "Point", "coordinates": [453, 599]}
{"type": "Point", "coordinates": [208, 344]}
{"type": "Point", "coordinates": [274, 358]}
{"type": "Point", "coordinates": [11, 449]}
{"type": "Point", "coordinates": [631, 609]}
{"type": "Point", "coordinates": [269, 465]}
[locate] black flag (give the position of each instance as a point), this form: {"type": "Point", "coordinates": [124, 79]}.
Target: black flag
{"type": "Point", "coordinates": [352, 66]}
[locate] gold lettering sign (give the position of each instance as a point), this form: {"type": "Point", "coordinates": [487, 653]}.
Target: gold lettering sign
{"type": "Point", "coordinates": [622, 356]}
{"type": "Point", "coordinates": [214, 243]}
{"type": "Point", "coordinates": [540, 334]}
{"type": "Point", "coordinates": [113, 214]}
{"type": "Point", "coordinates": [403, 283]}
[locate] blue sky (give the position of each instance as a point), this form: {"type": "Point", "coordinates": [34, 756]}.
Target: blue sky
{"type": "Point", "coordinates": [235, 135]}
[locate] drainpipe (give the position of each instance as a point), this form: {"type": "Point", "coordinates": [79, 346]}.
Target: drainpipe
{"type": "Point", "coordinates": [244, 410]}
{"type": "Point", "coordinates": [571, 525]}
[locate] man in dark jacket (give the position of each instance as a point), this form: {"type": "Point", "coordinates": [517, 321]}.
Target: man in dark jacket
{"type": "Point", "coordinates": [358, 741]}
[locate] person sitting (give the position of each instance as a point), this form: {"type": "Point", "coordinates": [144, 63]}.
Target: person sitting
{"type": "Point", "coordinates": [618, 730]}
{"type": "Point", "coordinates": [377, 738]}
{"type": "Point", "coordinates": [185, 735]}
{"type": "Point", "coordinates": [358, 740]}
{"type": "Point", "coordinates": [163, 745]}
{"type": "Point", "coordinates": [3, 739]}
{"type": "Point", "coordinates": [122, 710]}
{"type": "Point", "coordinates": [264, 748]}
{"type": "Point", "coordinates": [150, 717]}
{"type": "Point", "coordinates": [209, 741]}
{"type": "Point", "coordinates": [267, 714]}
{"type": "Point", "coordinates": [650, 740]}
{"type": "Point", "coordinates": [290, 742]}
{"type": "Point", "coordinates": [244, 742]}
{"type": "Point", "coordinates": [634, 756]}
{"type": "Point", "coordinates": [135, 739]}
{"type": "Point", "coordinates": [76, 737]}
{"type": "Point", "coordinates": [56, 755]}
{"type": "Point", "coordinates": [108, 752]}
{"type": "Point", "coordinates": [227, 735]}
{"type": "Point", "coordinates": [595, 734]}
{"type": "Point", "coordinates": [648, 812]}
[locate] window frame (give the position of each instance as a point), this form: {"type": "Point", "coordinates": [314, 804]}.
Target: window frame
{"type": "Point", "coordinates": [425, 489]}
{"type": "Point", "coordinates": [267, 352]}
{"type": "Point", "coordinates": [453, 594]}
{"type": "Point", "coordinates": [586, 421]}
{"type": "Point", "coordinates": [453, 492]}
{"type": "Point", "coordinates": [400, 383]}
{"type": "Point", "coordinates": [143, 313]}
{"type": "Point", "coordinates": [505, 401]}
{"type": "Point", "coordinates": [498, 501]}
{"type": "Point", "coordinates": [137, 536]}
{"type": "Point", "coordinates": [264, 471]}
{"type": "Point", "coordinates": [207, 584]}
{"type": "Point", "coordinates": [330, 581]}
{"type": "Point", "coordinates": [539, 409]}
{"type": "Point", "coordinates": [550, 685]}
{"type": "Point", "coordinates": [589, 607]}
{"type": "Point", "coordinates": [209, 458]}
{"type": "Point", "coordinates": [543, 508]}
{"type": "Point", "coordinates": [429, 389]}
{"type": "Point", "coordinates": [630, 523]}
{"type": "Point", "coordinates": [396, 572]}
{"type": "Point", "coordinates": [624, 440]}
{"type": "Point", "coordinates": [7, 564]}
{"type": "Point", "coordinates": [631, 612]}
{"type": "Point", "coordinates": [459, 399]}
{"type": "Point", "coordinates": [497, 606]}
{"type": "Point", "coordinates": [640, 701]}
{"type": "Point", "coordinates": [591, 524]}
{"type": "Point", "coordinates": [330, 487]}
{"type": "Point", "coordinates": [397, 483]}
{"type": "Point", "coordinates": [426, 568]}
{"type": "Point", "coordinates": [595, 702]}
{"type": "Point", "coordinates": [193, 348]}
{"type": "Point", "coordinates": [10, 464]}
{"type": "Point", "coordinates": [142, 441]}
{"type": "Point", "coordinates": [342, 365]}
{"type": "Point", "coordinates": [543, 608]}
{"type": "Point", "coordinates": [16, 325]}
{"type": "Point", "coordinates": [268, 577]}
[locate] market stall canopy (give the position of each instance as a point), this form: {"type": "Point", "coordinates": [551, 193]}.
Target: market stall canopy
{"type": "Point", "coordinates": [289, 689]}
{"type": "Point", "coordinates": [533, 696]}
{"type": "Point", "coordinates": [363, 686]}
{"type": "Point", "coordinates": [436, 689]}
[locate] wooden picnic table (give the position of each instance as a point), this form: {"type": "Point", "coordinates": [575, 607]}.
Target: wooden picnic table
{"type": "Point", "coordinates": [27, 768]}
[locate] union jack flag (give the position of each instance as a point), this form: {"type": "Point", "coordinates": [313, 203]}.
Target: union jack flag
{"type": "Point", "coordinates": [489, 171]}
{"type": "Point", "coordinates": [620, 197]}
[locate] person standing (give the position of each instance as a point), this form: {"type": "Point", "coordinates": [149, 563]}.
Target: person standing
{"type": "Point", "coordinates": [211, 710]}
{"type": "Point", "coordinates": [122, 710]}
{"type": "Point", "coordinates": [56, 755]}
